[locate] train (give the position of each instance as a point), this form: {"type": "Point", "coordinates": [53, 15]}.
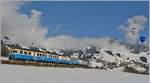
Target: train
{"type": "Point", "coordinates": [14, 53]}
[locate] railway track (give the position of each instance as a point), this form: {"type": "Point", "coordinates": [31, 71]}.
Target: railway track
{"type": "Point", "coordinates": [41, 64]}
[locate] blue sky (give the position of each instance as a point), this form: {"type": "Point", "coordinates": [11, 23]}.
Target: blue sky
{"type": "Point", "coordinates": [87, 19]}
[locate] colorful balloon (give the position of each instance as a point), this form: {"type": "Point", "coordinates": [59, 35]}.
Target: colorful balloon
{"type": "Point", "coordinates": [142, 39]}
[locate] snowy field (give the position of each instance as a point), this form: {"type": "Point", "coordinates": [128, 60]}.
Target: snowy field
{"type": "Point", "coordinates": [31, 74]}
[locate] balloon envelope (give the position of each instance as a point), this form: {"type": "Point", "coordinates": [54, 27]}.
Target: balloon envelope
{"type": "Point", "coordinates": [142, 39]}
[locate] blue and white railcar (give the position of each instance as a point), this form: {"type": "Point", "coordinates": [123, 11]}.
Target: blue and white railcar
{"type": "Point", "coordinates": [40, 56]}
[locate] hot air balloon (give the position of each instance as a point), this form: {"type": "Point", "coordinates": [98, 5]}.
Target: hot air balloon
{"type": "Point", "coordinates": [142, 39]}
{"type": "Point", "coordinates": [133, 31]}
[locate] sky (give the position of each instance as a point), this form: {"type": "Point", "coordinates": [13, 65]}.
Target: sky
{"type": "Point", "coordinates": [87, 19]}
{"type": "Point", "coordinates": [64, 24]}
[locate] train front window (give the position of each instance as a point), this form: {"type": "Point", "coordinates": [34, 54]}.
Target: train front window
{"type": "Point", "coordinates": [11, 51]}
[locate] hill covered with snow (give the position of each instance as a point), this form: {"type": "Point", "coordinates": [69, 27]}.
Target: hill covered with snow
{"type": "Point", "coordinates": [105, 58]}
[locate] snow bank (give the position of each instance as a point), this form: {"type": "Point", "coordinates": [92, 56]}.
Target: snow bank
{"type": "Point", "coordinates": [3, 58]}
{"type": "Point", "coordinates": [95, 64]}
{"type": "Point", "coordinates": [30, 74]}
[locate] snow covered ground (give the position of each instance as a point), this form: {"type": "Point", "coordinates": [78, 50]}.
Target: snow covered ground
{"type": "Point", "coordinates": [31, 74]}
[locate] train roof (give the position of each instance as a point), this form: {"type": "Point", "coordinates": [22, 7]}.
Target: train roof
{"type": "Point", "coordinates": [30, 49]}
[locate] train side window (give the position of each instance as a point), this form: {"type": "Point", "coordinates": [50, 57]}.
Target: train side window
{"type": "Point", "coordinates": [45, 55]}
{"type": "Point", "coordinates": [14, 51]}
{"type": "Point", "coordinates": [29, 53]}
{"type": "Point", "coordinates": [56, 57]}
{"type": "Point", "coordinates": [25, 52]}
{"type": "Point", "coordinates": [49, 56]}
{"type": "Point", "coordinates": [37, 54]}
{"type": "Point", "coordinates": [21, 52]}
{"type": "Point", "coordinates": [53, 56]}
